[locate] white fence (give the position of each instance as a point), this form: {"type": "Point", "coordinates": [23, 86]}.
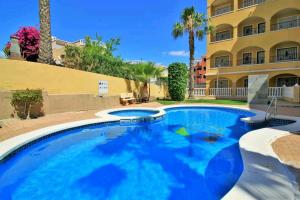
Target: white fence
{"type": "Point", "coordinates": [199, 92]}
{"type": "Point", "coordinates": [220, 92]}
{"type": "Point", "coordinates": [242, 92]}
{"type": "Point", "coordinates": [275, 91]}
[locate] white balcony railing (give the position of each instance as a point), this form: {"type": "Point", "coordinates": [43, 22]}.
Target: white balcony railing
{"type": "Point", "coordinates": [242, 92]}
{"type": "Point", "coordinates": [199, 92]}
{"type": "Point", "coordinates": [275, 91]}
{"type": "Point", "coordinates": [220, 92]}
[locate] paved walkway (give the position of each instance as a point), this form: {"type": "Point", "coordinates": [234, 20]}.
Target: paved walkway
{"type": "Point", "coordinates": [13, 127]}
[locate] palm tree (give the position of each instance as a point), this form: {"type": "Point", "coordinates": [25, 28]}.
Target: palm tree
{"type": "Point", "coordinates": [145, 71]}
{"type": "Point", "coordinates": [195, 24]}
{"type": "Point", "coordinates": [45, 54]}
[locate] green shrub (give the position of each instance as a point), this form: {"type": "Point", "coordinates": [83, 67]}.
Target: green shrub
{"type": "Point", "coordinates": [177, 76]}
{"type": "Point", "coordinates": [24, 100]}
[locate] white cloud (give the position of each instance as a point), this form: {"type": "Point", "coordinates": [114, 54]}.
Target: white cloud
{"type": "Point", "coordinates": [179, 53]}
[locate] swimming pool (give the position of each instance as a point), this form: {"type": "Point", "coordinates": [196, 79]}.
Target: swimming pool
{"type": "Point", "coordinates": [192, 153]}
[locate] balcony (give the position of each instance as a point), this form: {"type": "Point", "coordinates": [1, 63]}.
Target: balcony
{"type": "Point", "coordinates": [285, 52]}
{"type": "Point", "coordinates": [285, 25]}
{"type": "Point", "coordinates": [220, 7]}
{"type": "Point", "coordinates": [285, 19]}
{"type": "Point", "coordinates": [221, 59]}
{"type": "Point", "coordinates": [251, 26]}
{"type": "Point", "coordinates": [222, 32]}
{"type": "Point", "coordinates": [248, 3]}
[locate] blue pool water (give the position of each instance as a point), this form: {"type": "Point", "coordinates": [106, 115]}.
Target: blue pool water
{"type": "Point", "coordinates": [190, 154]}
{"type": "Point", "coordinates": [133, 113]}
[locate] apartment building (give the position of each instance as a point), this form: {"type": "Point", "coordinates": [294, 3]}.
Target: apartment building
{"type": "Point", "coordinates": [200, 73]}
{"type": "Point", "coordinates": [252, 37]}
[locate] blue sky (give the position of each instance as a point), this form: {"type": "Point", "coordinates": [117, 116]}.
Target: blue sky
{"type": "Point", "coordinates": [144, 26]}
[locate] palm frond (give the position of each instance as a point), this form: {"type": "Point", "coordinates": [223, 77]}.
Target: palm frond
{"type": "Point", "coordinates": [178, 30]}
{"type": "Point", "coordinates": [188, 12]}
{"type": "Point", "coordinates": [199, 34]}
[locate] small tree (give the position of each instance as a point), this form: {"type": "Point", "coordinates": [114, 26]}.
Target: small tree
{"type": "Point", "coordinates": [29, 42]}
{"type": "Point", "coordinates": [25, 99]}
{"type": "Point", "coordinates": [6, 49]}
{"type": "Point", "coordinates": [177, 76]}
{"type": "Point", "coordinates": [145, 71]}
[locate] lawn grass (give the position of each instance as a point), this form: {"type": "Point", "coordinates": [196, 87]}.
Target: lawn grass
{"type": "Point", "coordinates": [208, 101]}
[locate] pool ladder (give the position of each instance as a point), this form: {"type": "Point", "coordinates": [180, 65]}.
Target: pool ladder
{"type": "Point", "coordinates": [272, 110]}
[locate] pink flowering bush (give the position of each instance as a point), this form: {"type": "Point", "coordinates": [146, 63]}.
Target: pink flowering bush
{"type": "Point", "coordinates": [29, 42]}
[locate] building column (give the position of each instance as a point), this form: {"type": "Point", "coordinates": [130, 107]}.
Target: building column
{"type": "Point", "coordinates": [268, 25]}
{"type": "Point", "coordinates": [235, 5]}
{"type": "Point", "coordinates": [233, 88]}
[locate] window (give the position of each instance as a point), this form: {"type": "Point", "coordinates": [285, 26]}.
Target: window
{"type": "Point", "coordinates": [247, 30]}
{"type": "Point", "coordinates": [222, 61]}
{"type": "Point", "coordinates": [204, 68]}
{"type": "Point", "coordinates": [260, 57]}
{"type": "Point", "coordinates": [224, 35]}
{"type": "Point", "coordinates": [204, 76]}
{"type": "Point", "coordinates": [199, 68]}
{"type": "Point", "coordinates": [247, 58]}
{"type": "Point", "coordinates": [261, 27]}
{"type": "Point", "coordinates": [290, 53]}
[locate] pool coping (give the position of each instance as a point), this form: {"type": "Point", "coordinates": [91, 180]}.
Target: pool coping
{"type": "Point", "coordinates": [106, 113]}
{"type": "Point", "coordinates": [254, 142]}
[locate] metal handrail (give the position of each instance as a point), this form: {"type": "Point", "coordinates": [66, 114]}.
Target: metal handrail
{"type": "Point", "coordinates": [269, 112]}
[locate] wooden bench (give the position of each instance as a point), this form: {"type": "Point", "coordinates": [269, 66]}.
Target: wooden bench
{"type": "Point", "coordinates": [127, 98]}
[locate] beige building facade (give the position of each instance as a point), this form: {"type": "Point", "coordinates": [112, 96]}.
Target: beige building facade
{"type": "Point", "coordinates": [252, 37]}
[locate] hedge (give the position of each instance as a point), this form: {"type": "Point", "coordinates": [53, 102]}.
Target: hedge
{"type": "Point", "coordinates": [177, 76]}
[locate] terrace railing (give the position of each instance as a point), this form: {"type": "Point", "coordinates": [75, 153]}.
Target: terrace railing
{"type": "Point", "coordinates": [227, 63]}
{"type": "Point", "coordinates": [199, 92]}
{"type": "Point", "coordinates": [275, 91]}
{"type": "Point", "coordinates": [242, 92]}
{"type": "Point", "coordinates": [251, 61]}
{"type": "Point", "coordinates": [285, 25]}
{"type": "Point", "coordinates": [247, 3]}
{"type": "Point", "coordinates": [220, 37]}
{"type": "Point", "coordinates": [220, 92]}
{"type": "Point", "coordinates": [285, 58]}
{"type": "Point", "coordinates": [222, 11]}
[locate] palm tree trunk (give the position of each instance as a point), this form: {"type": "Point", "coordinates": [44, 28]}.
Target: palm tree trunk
{"type": "Point", "coordinates": [45, 54]}
{"type": "Point", "coordinates": [192, 52]}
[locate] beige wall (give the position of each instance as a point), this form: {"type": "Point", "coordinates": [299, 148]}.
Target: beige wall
{"type": "Point", "coordinates": [59, 80]}
{"type": "Point", "coordinates": [57, 103]}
